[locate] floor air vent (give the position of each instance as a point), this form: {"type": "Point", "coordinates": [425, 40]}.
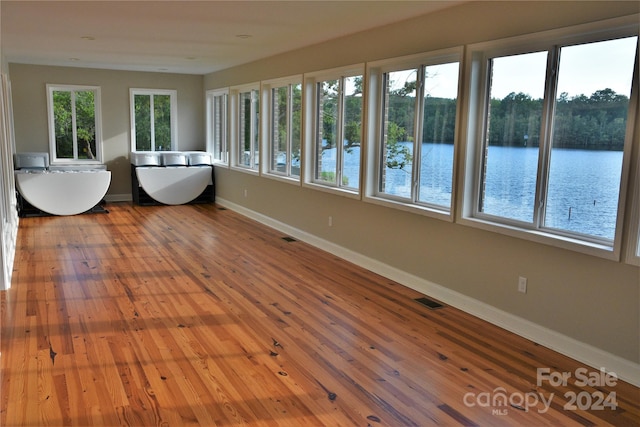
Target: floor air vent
{"type": "Point", "coordinates": [288, 239]}
{"type": "Point", "coordinates": [429, 303]}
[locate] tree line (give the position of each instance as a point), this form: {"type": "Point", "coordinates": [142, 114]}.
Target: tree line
{"type": "Point", "coordinates": [596, 122]}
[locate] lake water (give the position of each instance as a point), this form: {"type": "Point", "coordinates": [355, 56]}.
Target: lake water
{"type": "Point", "coordinates": [582, 195]}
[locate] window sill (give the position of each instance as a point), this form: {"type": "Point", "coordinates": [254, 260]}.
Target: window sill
{"type": "Point", "coordinates": [410, 207]}
{"type": "Point", "coordinates": [75, 162]}
{"type": "Point", "coordinates": [295, 180]}
{"type": "Point", "coordinates": [245, 170]}
{"type": "Point", "coordinates": [547, 238]}
{"type": "Point", "coordinates": [220, 163]}
{"type": "Point", "coordinates": [333, 190]}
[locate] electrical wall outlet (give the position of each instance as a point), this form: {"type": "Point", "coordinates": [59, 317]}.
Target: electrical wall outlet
{"type": "Point", "coordinates": [330, 221]}
{"type": "Point", "coordinates": [522, 284]}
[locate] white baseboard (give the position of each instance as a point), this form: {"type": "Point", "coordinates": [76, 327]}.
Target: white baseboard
{"type": "Point", "coordinates": [118, 197]}
{"type": "Point", "coordinates": [592, 356]}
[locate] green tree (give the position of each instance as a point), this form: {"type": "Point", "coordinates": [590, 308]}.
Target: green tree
{"type": "Point", "coordinates": [85, 123]}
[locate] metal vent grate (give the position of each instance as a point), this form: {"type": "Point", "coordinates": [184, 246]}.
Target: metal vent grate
{"type": "Point", "coordinates": [429, 303]}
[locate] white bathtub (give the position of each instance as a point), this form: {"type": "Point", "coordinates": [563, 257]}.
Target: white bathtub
{"type": "Point", "coordinates": [64, 190]}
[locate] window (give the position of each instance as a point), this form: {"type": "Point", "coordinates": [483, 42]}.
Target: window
{"type": "Point", "coordinates": [217, 125]}
{"type": "Point", "coordinates": [633, 251]}
{"type": "Point", "coordinates": [336, 135]}
{"type": "Point", "coordinates": [74, 124]}
{"type": "Point", "coordinates": [246, 127]}
{"type": "Point", "coordinates": [551, 150]}
{"type": "Point", "coordinates": [153, 119]}
{"type": "Point", "coordinates": [284, 133]}
{"type": "Point", "coordinates": [415, 129]}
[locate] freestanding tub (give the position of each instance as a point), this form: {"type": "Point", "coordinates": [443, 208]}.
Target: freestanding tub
{"type": "Point", "coordinates": [63, 192]}
{"type": "Point", "coordinates": [174, 185]}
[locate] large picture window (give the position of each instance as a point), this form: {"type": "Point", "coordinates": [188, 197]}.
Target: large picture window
{"type": "Point", "coordinates": [246, 127]}
{"type": "Point", "coordinates": [336, 104]}
{"type": "Point", "coordinates": [553, 136]}
{"type": "Point", "coordinates": [153, 119]}
{"type": "Point", "coordinates": [217, 138]}
{"type": "Point", "coordinates": [413, 112]}
{"type": "Point", "coordinates": [416, 129]}
{"type": "Point", "coordinates": [74, 124]}
{"type": "Point", "coordinates": [283, 99]}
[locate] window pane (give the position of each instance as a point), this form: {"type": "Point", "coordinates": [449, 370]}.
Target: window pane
{"type": "Point", "coordinates": [327, 139]}
{"type": "Point", "coordinates": [513, 136]}
{"type": "Point", "coordinates": [162, 122]}
{"type": "Point", "coordinates": [279, 130]}
{"type": "Point", "coordinates": [398, 130]}
{"type": "Point", "coordinates": [296, 129]}
{"type": "Point", "coordinates": [62, 116]}
{"type": "Point", "coordinates": [352, 132]}
{"type": "Point", "coordinates": [255, 134]}
{"type": "Point", "coordinates": [245, 129]}
{"type": "Point", "coordinates": [438, 132]}
{"type": "Point", "coordinates": [249, 116]}
{"type": "Point", "coordinates": [219, 127]}
{"type": "Point", "coordinates": [143, 122]}
{"type": "Point", "coordinates": [86, 124]}
{"type": "Point", "coordinates": [638, 242]}
{"type": "Point", "coordinates": [594, 85]}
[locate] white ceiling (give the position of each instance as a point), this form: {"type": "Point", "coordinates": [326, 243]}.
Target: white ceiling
{"type": "Point", "coordinates": [195, 37]}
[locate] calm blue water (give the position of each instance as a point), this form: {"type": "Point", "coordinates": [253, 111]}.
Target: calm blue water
{"type": "Point", "coordinates": [582, 194]}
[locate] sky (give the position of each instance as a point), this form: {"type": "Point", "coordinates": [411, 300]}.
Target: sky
{"type": "Point", "coordinates": [584, 69]}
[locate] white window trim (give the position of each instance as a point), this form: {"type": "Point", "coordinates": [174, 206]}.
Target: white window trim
{"type": "Point", "coordinates": [375, 80]}
{"type": "Point", "coordinates": [309, 95]}
{"type": "Point", "coordinates": [210, 95]}
{"type": "Point", "coordinates": [633, 249]}
{"type": "Point", "coordinates": [476, 87]}
{"type": "Point", "coordinates": [633, 236]}
{"type": "Point", "coordinates": [173, 94]}
{"type": "Point", "coordinates": [265, 119]}
{"type": "Point", "coordinates": [234, 128]}
{"type": "Point", "coordinates": [98, 119]}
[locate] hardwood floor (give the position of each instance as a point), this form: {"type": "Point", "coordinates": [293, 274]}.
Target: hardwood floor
{"type": "Point", "coordinates": [195, 315]}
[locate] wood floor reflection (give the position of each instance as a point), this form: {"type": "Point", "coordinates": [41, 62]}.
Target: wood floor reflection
{"type": "Point", "coordinates": [195, 315]}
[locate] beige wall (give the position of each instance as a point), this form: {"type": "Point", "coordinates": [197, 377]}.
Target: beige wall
{"type": "Point", "coordinates": [589, 299]}
{"type": "Point", "coordinates": [30, 110]}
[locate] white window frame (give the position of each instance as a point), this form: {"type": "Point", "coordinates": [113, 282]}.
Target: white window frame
{"type": "Point", "coordinates": [268, 131]}
{"type": "Point", "coordinates": [173, 97]}
{"type": "Point", "coordinates": [234, 128]}
{"type": "Point", "coordinates": [51, 122]}
{"type": "Point", "coordinates": [476, 90]}
{"type": "Point", "coordinates": [375, 80]}
{"type": "Point", "coordinates": [310, 120]}
{"type": "Point", "coordinates": [221, 157]}
{"type": "Point", "coordinates": [633, 247]}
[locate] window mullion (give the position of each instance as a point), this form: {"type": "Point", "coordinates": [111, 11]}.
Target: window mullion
{"type": "Point", "coordinates": [340, 132]}
{"type": "Point", "coordinates": [289, 130]}
{"type": "Point", "coordinates": [384, 123]}
{"type": "Point", "coordinates": [546, 140]}
{"type": "Point", "coordinates": [252, 127]}
{"type": "Point", "coordinates": [74, 124]}
{"type": "Point", "coordinates": [417, 140]}
{"type": "Point", "coordinates": [483, 146]}
{"type": "Point", "coordinates": [152, 125]}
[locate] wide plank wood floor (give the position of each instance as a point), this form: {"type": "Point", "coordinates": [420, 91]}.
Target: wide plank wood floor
{"type": "Point", "coordinates": [194, 315]}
